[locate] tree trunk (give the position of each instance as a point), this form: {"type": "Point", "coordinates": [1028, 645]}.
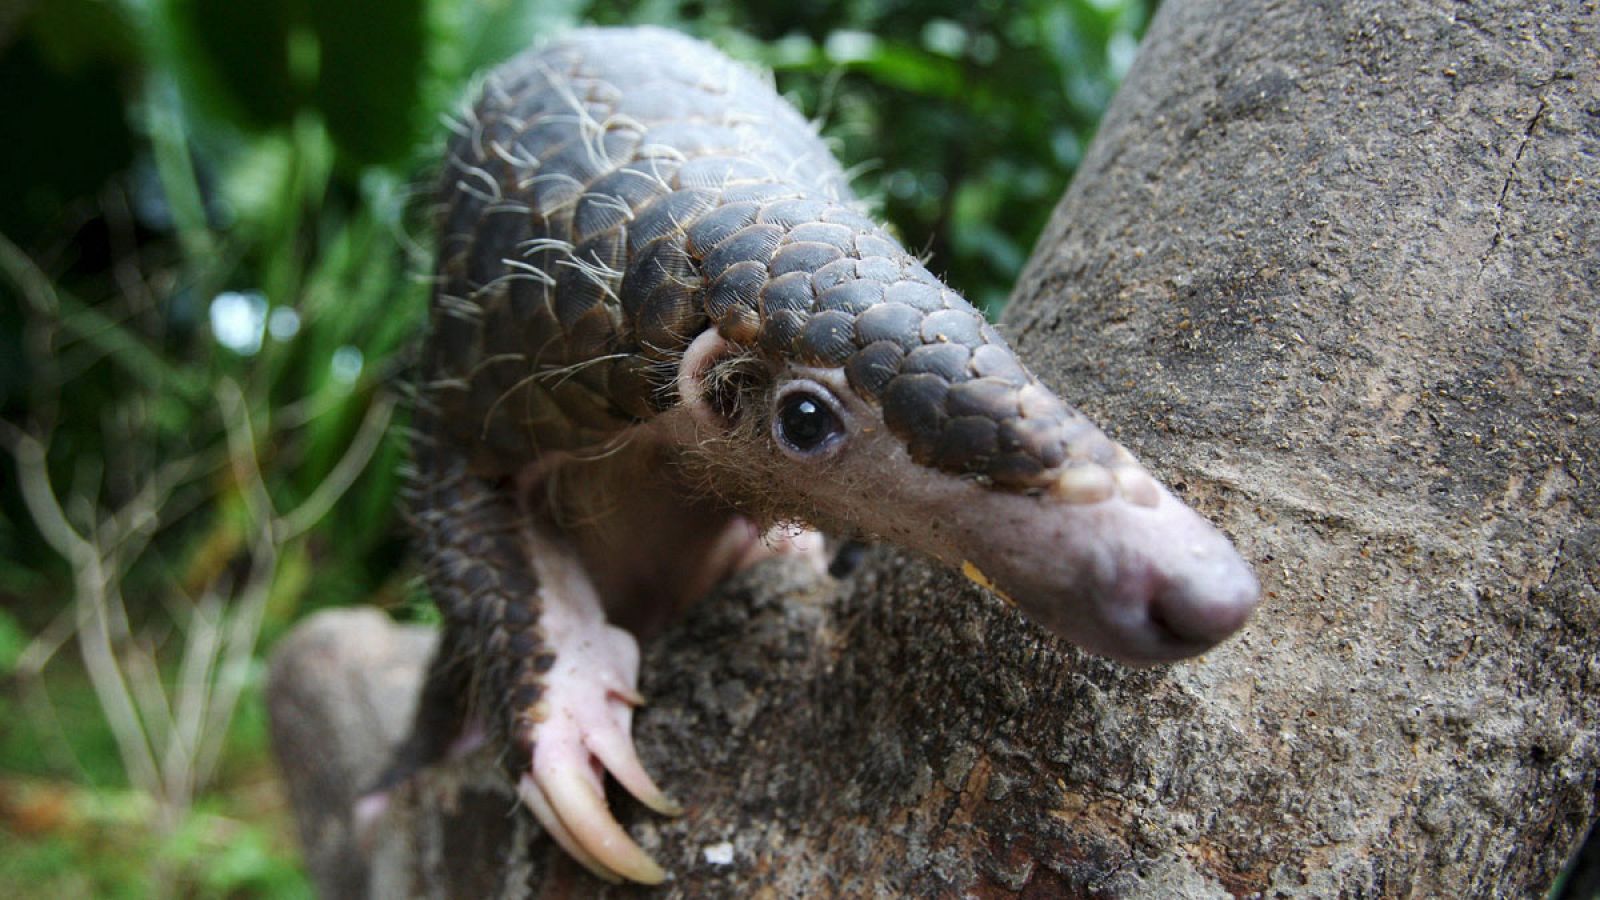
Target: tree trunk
{"type": "Point", "coordinates": [1330, 269]}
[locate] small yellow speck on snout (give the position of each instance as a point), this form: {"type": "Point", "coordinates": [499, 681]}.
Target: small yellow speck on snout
{"type": "Point", "coordinates": [976, 576]}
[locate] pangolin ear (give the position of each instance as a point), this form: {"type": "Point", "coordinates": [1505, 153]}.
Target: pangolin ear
{"type": "Point", "coordinates": [704, 388]}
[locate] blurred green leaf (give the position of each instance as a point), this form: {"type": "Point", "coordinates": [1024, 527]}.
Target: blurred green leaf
{"type": "Point", "coordinates": [249, 862]}
{"type": "Point", "coordinates": [911, 69]}
{"type": "Point", "coordinates": [84, 34]}
{"type": "Point", "coordinates": [12, 642]}
{"type": "Point", "coordinates": [466, 37]}
{"type": "Point", "coordinates": [239, 54]}
{"type": "Point", "coordinates": [370, 72]}
{"type": "Point", "coordinates": [67, 135]}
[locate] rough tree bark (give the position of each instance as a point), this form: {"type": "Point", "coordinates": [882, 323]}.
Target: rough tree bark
{"type": "Point", "coordinates": [1332, 269]}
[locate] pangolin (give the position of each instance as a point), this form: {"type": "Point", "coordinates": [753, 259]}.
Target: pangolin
{"type": "Point", "coordinates": [663, 334]}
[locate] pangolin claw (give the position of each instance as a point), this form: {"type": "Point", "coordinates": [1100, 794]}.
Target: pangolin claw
{"type": "Point", "coordinates": [589, 825]}
{"type": "Point", "coordinates": [616, 752]}
{"type": "Point", "coordinates": [535, 798]}
{"type": "Point", "coordinates": [591, 697]}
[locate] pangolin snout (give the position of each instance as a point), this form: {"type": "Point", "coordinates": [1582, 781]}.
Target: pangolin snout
{"type": "Point", "coordinates": [1204, 609]}
{"type": "Point", "coordinates": [1143, 580]}
{"type": "Point", "coordinates": [1084, 541]}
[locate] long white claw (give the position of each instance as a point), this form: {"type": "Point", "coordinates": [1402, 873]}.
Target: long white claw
{"type": "Point", "coordinates": [534, 797]}
{"type": "Point", "coordinates": [626, 694]}
{"type": "Point", "coordinates": [618, 754]}
{"type": "Point", "coordinates": [583, 811]}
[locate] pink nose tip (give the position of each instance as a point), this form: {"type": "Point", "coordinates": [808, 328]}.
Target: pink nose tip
{"type": "Point", "coordinates": [1205, 610]}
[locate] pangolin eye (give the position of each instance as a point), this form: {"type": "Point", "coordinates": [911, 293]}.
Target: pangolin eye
{"type": "Point", "coordinates": [806, 423]}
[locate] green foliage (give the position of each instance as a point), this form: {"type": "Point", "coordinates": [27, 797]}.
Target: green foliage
{"type": "Point", "coordinates": [239, 54]}
{"type": "Point", "coordinates": [12, 640]}
{"type": "Point", "coordinates": [210, 261]}
{"type": "Point", "coordinates": [59, 80]}
{"type": "Point", "coordinates": [95, 847]}
{"type": "Point", "coordinates": [356, 63]}
{"type": "Point", "coordinates": [966, 120]}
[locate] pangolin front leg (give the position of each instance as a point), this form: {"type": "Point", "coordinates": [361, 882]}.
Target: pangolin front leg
{"type": "Point", "coordinates": [547, 677]}
{"type": "Point", "coordinates": [579, 728]}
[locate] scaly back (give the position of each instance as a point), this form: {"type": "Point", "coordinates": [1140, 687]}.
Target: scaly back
{"type": "Point", "coordinates": [602, 206]}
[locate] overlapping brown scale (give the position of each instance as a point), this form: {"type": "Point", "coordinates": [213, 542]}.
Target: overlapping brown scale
{"type": "Point", "coordinates": [802, 257]}
{"type": "Point", "coordinates": [553, 192]}
{"type": "Point", "coordinates": [873, 243]}
{"type": "Point", "coordinates": [965, 444]}
{"type": "Point", "coordinates": [809, 231]}
{"type": "Point", "coordinates": [838, 273]}
{"type": "Point", "coordinates": [582, 160]}
{"type": "Point", "coordinates": [694, 138]}
{"type": "Point", "coordinates": [789, 292]}
{"type": "Point", "coordinates": [595, 376]}
{"type": "Point", "coordinates": [524, 315]}
{"type": "Point", "coordinates": [948, 361]}
{"type": "Point", "coordinates": [582, 406]}
{"type": "Point", "coordinates": [882, 269]}
{"type": "Point", "coordinates": [853, 297]}
{"type": "Point", "coordinates": [710, 230]}
{"type": "Point", "coordinates": [893, 322]}
{"type": "Point", "coordinates": [610, 201]}
{"type": "Point", "coordinates": [957, 326]}
{"type": "Point", "coordinates": [741, 325]}
{"type": "Point", "coordinates": [721, 171]}
{"type": "Point", "coordinates": [576, 293]}
{"type": "Point", "coordinates": [606, 251]}
{"type": "Point", "coordinates": [485, 259]}
{"type": "Point", "coordinates": [914, 409]}
{"type": "Point", "coordinates": [760, 192]}
{"type": "Point", "coordinates": [871, 368]}
{"type": "Point", "coordinates": [739, 285]}
{"type": "Point", "coordinates": [849, 217]}
{"type": "Point", "coordinates": [592, 334]}
{"type": "Point", "coordinates": [997, 361]}
{"type": "Point", "coordinates": [497, 399]}
{"type": "Point", "coordinates": [494, 128]}
{"type": "Point", "coordinates": [631, 386]}
{"type": "Point", "coordinates": [917, 295]}
{"type": "Point", "coordinates": [827, 340]}
{"type": "Point", "coordinates": [662, 262]}
{"type": "Point", "coordinates": [671, 317]}
{"type": "Point", "coordinates": [659, 167]}
{"type": "Point", "coordinates": [990, 398]}
{"type": "Point", "coordinates": [667, 215]}
{"type": "Point", "coordinates": [792, 212]}
{"type": "Point", "coordinates": [542, 137]}
{"type": "Point", "coordinates": [524, 77]}
{"type": "Point", "coordinates": [502, 329]}
{"type": "Point", "coordinates": [753, 243]}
